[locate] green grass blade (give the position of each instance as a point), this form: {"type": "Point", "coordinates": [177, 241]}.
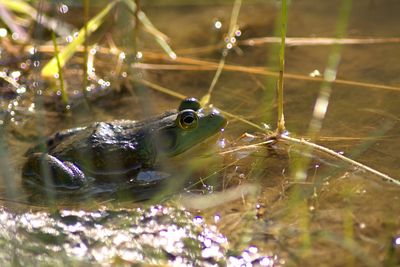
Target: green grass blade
{"type": "Point", "coordinates": [19, 6]}
{"type": "Point", "coordinates": [23, 8]}
{"type": "Point", "coordinates": [281, 118]}
{"type": "Point", "coordinates": [7, 18]}
{"type": "Point", "coordinates": [232, 26]}
{"type": "Point", "coordinates": [64, 96]}
{"type": "Point", "coordinates": [86, 48]}
{"type": "Point", "coordinates": [51, 67]}
{"type": "Point", "coordinates": [160, 38]}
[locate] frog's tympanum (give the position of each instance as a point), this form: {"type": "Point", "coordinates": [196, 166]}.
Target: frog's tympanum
{"type": "Point", "coordinates": [118, 150]}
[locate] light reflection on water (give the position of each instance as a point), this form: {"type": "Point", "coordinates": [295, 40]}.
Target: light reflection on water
{"type": "Point", "coordinates": [157, 235]}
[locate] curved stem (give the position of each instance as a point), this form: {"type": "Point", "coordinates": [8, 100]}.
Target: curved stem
{"type": "Point", "coordinates": [340, 156]}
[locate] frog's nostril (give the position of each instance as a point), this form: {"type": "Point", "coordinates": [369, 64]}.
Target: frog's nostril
{"type": "Point", "coordinates": [50, 142]}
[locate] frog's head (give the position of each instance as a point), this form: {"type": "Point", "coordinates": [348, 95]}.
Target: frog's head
{"type": "Point", "coordinates": [187, 127]}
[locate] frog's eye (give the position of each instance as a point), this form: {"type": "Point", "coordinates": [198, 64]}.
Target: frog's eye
{"type": "Point", "coordinates": [190, 103]}
{"type": "Point", "coordinates": [187, 119]}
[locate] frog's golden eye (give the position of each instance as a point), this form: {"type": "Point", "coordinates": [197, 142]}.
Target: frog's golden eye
{"type": "Point", "coordinates": [187, 119]}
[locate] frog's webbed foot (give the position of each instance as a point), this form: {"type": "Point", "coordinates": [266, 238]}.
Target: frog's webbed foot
{"type": "Point", "coordinates": [49, 171]}
{"type": "Point", "coordinates": [150, 176]}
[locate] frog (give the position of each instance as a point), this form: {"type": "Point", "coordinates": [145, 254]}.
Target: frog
{"type": "Point", "coordinates": [118, 150]}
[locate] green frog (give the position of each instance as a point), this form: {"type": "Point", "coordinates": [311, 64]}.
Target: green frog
{"type": "Point", "coordinates": [118, 150]}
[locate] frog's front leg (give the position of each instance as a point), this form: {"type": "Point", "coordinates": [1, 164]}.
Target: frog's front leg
{"type": "Point", "coordinates": [49, 171]}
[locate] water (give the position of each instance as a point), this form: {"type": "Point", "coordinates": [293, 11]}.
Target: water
{"type": "Point", "coordinates": [351, 213]}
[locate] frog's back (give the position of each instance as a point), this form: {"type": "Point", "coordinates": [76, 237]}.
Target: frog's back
{"type": "Point", "coordinates": [54, 140]}
{"type": "Point", "coordinates": [102, 148]}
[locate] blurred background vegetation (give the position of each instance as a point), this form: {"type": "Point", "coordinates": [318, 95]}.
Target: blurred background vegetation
{"type": "Point", "coordinates": [68, 63]}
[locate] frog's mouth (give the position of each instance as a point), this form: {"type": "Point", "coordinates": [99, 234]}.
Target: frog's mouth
{"type": "Point", "coordinates": [175, 140]}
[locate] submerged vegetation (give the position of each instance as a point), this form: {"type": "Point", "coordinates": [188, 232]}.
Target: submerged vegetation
{"type": "Point", "coordinates": [324, 183]}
